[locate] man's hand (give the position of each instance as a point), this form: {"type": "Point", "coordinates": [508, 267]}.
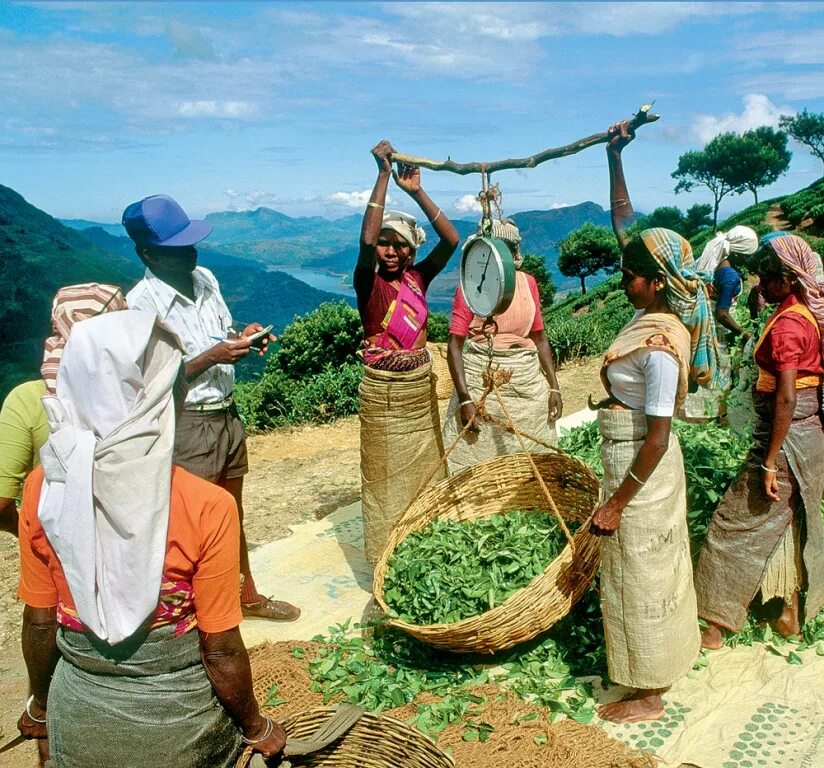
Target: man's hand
{"type": "Point", "coordinates": [261, 344]}
{"type": "Point", "coordinates": [408, 178]}
{"type": "Point", "coordinates": [381, 152]}
{"type": "Point", "coordinates": [607, 518]}
{"type": "Point", "coordinates": [620, 135]}
{"type": "Point", "coordinates": [230, 351]}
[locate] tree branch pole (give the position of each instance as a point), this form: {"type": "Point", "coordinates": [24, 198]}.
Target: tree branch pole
{"type": "Point", "coordinates": [642, 117]}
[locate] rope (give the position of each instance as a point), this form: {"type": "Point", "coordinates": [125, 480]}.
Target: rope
{"type": "Point", "coordinates": [336, 726]}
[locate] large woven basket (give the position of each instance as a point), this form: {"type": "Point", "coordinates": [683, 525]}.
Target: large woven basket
{"type": "Point", "coordinates": [497, 486]}
{"type": "Point", "coordinates": [440, 367]}
{"type": "Point", "coordinates": [375, 741]}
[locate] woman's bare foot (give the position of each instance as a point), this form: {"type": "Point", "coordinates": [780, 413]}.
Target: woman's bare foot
{"type": "Point", "coordinates": [712, 638]}
{"type": "Point", "coordinates": [638, 706]}
{"type": "Point", "coordinates": [788, 624]}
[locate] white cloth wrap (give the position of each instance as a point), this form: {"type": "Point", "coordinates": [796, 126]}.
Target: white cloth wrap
{"type": "Point", "coordinates": [739, 239]}
{"type": "Point", "coordinates": [647, 594]}
{"type": "Point", "coordinates": [406, 226]}
{"type": "Point", "coordinates": [105, 500]}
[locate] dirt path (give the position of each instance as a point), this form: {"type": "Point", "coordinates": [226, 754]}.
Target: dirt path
{"type": "Point", "coordinates": [295, 475]}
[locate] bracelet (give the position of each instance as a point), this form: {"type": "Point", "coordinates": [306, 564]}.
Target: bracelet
{"type": "Point", "coordinates": [635, 477]}
{"type": "Point", "coordinates": [769, 469]}
{"type": "Point", "coordinates": [28, 711]}
{"type": "Point", "coordinates": [432, 221]}
{"type": "Point", "coordinates": [466, 402]}
{"type": "Point", "coordinates": [555, 390]}
{"type": "Point", "coordinates": [267, 733]}
{"type": "Point", "coordinates": [373, 205]}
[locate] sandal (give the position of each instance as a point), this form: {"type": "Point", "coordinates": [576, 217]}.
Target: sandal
{"type": "Point", "coordinates": [274, 610]}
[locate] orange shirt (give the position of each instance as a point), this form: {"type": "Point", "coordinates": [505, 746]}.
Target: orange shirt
{"type": "Point", "coordinates": [202, 549]}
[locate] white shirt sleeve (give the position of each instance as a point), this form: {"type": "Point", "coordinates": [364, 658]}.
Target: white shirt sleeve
{"type": "Point", "coordinates": [661, 375]}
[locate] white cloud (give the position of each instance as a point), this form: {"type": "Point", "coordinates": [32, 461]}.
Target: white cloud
{"type": "Point", "coordinates": [247, 201]}
{"type": "Point", "coordinates": [352, 199]}
{"type": "Point", "coordinates": [467, 204]}
{"type": "Point", "coordinates": [190, 42]}
{"type": "Point", "coordinates": [758, 110]}
{"type": "Point", "coordinates": [229, 110]}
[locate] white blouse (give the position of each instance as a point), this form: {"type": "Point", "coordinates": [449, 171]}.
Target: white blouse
{"type": "Point", "coordinates": [647, 380]}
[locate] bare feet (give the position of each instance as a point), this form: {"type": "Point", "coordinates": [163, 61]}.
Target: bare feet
{"type": "Point", "coordinates": [712, 638]}
{"type": "Point", "coordinates": [788, 624]}
{"type": "Point", "coordinates": [638, 706]}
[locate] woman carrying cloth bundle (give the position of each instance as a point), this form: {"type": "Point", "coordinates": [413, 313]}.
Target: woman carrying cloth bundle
{"type": "Point", "coordinates": [647, 595]}
{"type": "Point", "coordinates": [767, 534]}
{"type": "Point", "coordinates": [400, 427]}
{"type": "Point", "coordinates": [531, 396]}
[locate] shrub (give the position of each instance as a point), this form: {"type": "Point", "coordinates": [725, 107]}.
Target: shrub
{"type": "Point", "coordinates": [437, 327]}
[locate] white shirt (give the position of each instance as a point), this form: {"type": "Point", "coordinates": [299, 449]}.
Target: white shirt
{"type": "Point", "coordinates": [199, 324]}
{"type": "Point", "coordinates": [645, 380]}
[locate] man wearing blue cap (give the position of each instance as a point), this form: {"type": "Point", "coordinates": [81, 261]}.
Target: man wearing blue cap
{"type": "Point", "coordinates": [210, 440]}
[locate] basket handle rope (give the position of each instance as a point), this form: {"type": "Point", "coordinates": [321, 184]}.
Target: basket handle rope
{"type": "Point", "coordinates": [336, 726]}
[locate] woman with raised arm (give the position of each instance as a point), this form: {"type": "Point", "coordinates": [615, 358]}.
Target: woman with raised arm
{"type": "Point", "coordinates": [400, 427]}
{"type": "Point", "coordinates": [647, 594]}
{"type": "Point", "coordinates": [767, 534]}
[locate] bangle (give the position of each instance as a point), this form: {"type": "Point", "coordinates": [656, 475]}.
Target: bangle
{"type": "Point", "coordinates": [266, 734]}
{"type": "Point", "coordinates": [466, 402]}
{"type": "Point", "coordinates": [636, 478]}
{"type": "Point", "coordinates": [28, 711]}
{"type": "Point", "coordinates": [432, 221]}
{"type": "Point", "coordinates": [370, 204]}
{"type": "Point", "coordinates": [769, 469]}
{"type": "Point", "coordinates": [555, 390]}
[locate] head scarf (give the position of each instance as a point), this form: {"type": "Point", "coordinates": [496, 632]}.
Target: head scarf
{"type": "Point", "coordinates": [686, 295]}
{"type": "Point", "coordinates": [406, 226]}
{"type": "Point", "coordinates": [795, 253]}
{"type": "Point", "coordinates": [104, 505]}
{"type": "Point", "coordinates": [70, 305]}
{"type": "Point", "coordinates": [506, 230]}
{"type": "Point", "coordinates": [739, 239]}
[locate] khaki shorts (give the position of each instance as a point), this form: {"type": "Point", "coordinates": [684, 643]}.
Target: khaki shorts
{"type": "Point", "coordinates": [211, 444]}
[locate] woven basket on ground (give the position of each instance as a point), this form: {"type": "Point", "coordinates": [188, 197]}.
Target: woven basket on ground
{"type": "Point", "coordinates": [497, 486]}
{"type": "Point", "coordinates": [443, 385]}
{"type": "Point", "coordinates": [375, 741]}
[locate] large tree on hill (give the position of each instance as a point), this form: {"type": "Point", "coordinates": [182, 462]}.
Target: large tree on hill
{"type": "Point", "coordinates": [588, 250]}
{"type": "Point", "coordinates": [759, 158]}
{"type": "Point", "coordinates": [710, 168]}
{"type": "Point", "coordinates": [535, 265]}
{"type": "Point", "coordinates": [806, 128]}
{"type": "Point", "coordinates": [672, 217]}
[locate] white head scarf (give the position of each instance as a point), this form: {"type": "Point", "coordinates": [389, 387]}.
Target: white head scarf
{"type": "Point", "coordinates": [506, 230]}
{"type": "Point", "coordinates": [738, 240]}
{"type": "Point", "coordinates": [105, 499]}
{"type": "Point", "coordinates": [406, 226]}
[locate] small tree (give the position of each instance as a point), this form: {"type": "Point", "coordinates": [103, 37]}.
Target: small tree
{"type": "Point", "coordinates": [709, 168]}
{"type": "Point", "coordinates": [806, 128]}
{"type": "Point", "coordinates": [588, 250]}
{"type": "Point", "coordinates": [667, 216]}
{"type": "Point", "coordinates": [535, 265]}
{"type": "Point", "coordinates": [758, 159]}
{"type": "Point", "coordinates": [698, 218]}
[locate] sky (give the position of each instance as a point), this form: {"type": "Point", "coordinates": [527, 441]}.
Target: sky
{"type": "Point", "coordinates": [232, 106]}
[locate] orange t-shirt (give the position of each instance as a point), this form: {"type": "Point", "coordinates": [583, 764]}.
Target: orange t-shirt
{"type": "Point", "coordinates": [202, 550]}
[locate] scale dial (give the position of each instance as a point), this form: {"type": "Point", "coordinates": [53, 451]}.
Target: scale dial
{"type": "Point", "coordinates": [487, 276]}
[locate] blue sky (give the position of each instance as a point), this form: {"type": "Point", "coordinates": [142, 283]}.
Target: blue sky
{"type": "Point", "coordinates": [236, 105]}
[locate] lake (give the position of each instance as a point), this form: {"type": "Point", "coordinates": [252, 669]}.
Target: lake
{"type": "Point", "coordinates": [323, 281]}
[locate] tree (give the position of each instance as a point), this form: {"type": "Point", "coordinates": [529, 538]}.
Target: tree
{"type": "Point", "coordinates": [709, 168]}
{"type": "Point", "coordinates": [758, 159]}
{"type": "Point", "coordinates": [535, 265]}
{"type": "Point", "coordinates": [806, 128]}
{"type": "Point", "coordinates": [698, 218]}
{"type": "Point", "coordinates": [667, 216]}
{"type": "Point", "coordinates": [588, 250]}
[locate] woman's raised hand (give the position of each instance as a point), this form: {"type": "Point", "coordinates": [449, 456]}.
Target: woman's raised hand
{"type": "Point", "coordinates": [381, 152]}
{"type": "Point", "coordinates": [408, 178]}
{"type": "Point", "coordinates": [620, 135]}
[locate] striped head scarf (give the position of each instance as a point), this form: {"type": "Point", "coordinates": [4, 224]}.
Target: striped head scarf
{"type": "Point", "coordinates": [687, 296]}
{"type": "Point", "coordinates": [70, 305]}
{"type": "Point", "coordinates": [795, 253]}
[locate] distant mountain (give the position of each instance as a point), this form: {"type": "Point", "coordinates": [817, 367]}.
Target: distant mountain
{"type": "Point", "coordinates": [113, 229]}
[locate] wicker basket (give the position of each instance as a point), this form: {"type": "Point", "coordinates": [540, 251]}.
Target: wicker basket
{"type": "Point", "coordinates": [375, 741]}
{"type": "Point", "coordinates": [443, 384]}
{"type": "Point", "coordinates": [489, 488]}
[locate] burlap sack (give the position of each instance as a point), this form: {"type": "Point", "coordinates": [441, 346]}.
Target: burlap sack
{"type": "Point", "coordinates": [400, 447]}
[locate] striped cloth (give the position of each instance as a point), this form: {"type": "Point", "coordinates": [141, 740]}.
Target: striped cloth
{"type": "Point", "coordinates": [70, 305]}
{"type": "Point", "coordinates": [687, 296]}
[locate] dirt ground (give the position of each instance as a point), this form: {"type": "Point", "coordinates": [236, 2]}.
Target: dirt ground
{"type": "Point", "coordinates": [295, 475]}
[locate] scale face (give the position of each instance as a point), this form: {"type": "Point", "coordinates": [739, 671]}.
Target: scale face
{"type": "Point", "coordinates": [487, 276]}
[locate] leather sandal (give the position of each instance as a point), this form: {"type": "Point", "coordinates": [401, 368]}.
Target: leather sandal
{"type": "Point", "coordinates": [274, 610]}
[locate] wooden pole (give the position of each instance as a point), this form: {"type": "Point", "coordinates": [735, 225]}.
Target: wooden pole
{"type": "Point", "coordinates": [642, 117]}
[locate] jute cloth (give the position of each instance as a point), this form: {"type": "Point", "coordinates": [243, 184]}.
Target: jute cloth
{"type": "Point", "coordinates": [526, 396]}
{"type": "Point", "coordinates": [145, 702]}
{"type": "Point", "coordinates": [747, 528]}
{"type": "Point", "coordinates": [647, 595]}
{"type": "Point", "coordinates": [401, 447]}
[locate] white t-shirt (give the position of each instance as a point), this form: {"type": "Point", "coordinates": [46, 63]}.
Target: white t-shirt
{"type": "Point", "coordinates": [645, 380]}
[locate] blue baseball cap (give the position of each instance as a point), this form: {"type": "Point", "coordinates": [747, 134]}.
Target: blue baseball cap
{"type": "Point", "coordinates": [159, 220]}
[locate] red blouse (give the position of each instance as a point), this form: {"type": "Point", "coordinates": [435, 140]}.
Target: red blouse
{"type": "Point", "coordinates": [791, 345]}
